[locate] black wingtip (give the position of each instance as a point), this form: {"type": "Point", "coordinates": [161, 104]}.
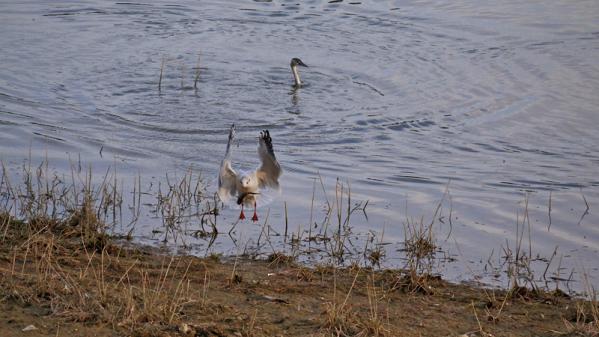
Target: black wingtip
{"type": "Point", "coordinates": [265, 136]}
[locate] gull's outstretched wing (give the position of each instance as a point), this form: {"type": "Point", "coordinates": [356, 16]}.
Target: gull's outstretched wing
{"type": "Point", "coordinates": [270, 170]}
{"type": "Point", "coordinates": [227, 177]}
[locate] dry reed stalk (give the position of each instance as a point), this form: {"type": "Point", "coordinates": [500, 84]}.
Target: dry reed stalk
{"type": "Point", "coordinates": [197, 77]}
{"type": "Point", "coordinates": [161, 70]}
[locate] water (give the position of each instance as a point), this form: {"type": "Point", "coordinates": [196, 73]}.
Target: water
{"type": "Point", "coordinates": [492, 101]}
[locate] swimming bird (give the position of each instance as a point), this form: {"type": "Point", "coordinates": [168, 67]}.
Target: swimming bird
{"type": "Point", "coordinates": [246, 186]}
{"type": "Point", "coordinates": [294, 63]}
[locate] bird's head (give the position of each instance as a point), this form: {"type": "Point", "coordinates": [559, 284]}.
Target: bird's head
{"type": "Point", "coordinates": [297, 62]}
{"type": "Point", "coordinates": [246, 181]}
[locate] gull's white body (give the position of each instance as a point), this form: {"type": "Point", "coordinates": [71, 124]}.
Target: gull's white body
{"type": "Point", "coordinates": [245, 186]}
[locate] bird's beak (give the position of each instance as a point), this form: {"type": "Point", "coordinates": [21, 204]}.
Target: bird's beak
{"type": "Point", "coordinates": [300, 63]}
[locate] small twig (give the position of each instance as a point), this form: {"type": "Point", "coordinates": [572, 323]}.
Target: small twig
{"type": "Point", "coordinates": [371, 87]}
{"type": "Point", "coordinates": [586, 211]}
{"type": "Point", "coordinates": [548, 264]}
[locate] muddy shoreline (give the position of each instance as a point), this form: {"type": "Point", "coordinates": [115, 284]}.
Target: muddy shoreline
{"type": "Point", "coordinates": [65, 278]}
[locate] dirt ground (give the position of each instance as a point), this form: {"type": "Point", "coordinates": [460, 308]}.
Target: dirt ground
{"type": "Point", "coordinates": [65, 278]}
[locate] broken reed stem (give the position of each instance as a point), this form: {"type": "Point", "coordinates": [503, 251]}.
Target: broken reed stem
{"type": "Point", "coordinates": [548, 264]}
{"type": "Point", "coordinates": [349, 210]}
{"type": "Point", "coordinates": [480, 327]}
{"type": "Point", "coordinates": [529, 229]}
{"type": "Point", "coordinates": [450, 216]}
{"type": "Point", "coordinates": [586, 211]}
{"type": "Point", "coordinates": [161, 71]}
{"type": "Point", "coordinates": [182, 75]}
{"type": "Point", "coordinates": [197, 77]}
{"type": "Point", "coordinates": [205, 287]}
{"type": "Point", "coordinates": [312, 206]}
{"type": "Point", "coordinates": [286, 222]}
{"type": "Point", "coordinates": [234, 269]}
{"type": "Point", "coordinates": [339, 203]}
{"type": "Point", "coordinates": [549, 212]}
{"type": "Point", "coordinates": [351, 288]}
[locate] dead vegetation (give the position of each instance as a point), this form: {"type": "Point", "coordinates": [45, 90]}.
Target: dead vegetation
{"type": "Point", "coordinates": [171, 68]}
{"type": "Point", "coordinates": [143, 292]}
{"type": "Point", "coordinates": [58, 253]}
{"type": "Point", "coordinates": [62, 269]}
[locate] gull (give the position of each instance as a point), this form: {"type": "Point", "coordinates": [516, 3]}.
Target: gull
{"type": "Point", "coordinates": [245, 186]}
{"type": "Point", "coordinates": [294, 63]}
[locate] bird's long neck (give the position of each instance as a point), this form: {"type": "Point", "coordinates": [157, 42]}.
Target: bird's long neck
{"type": "Point", "coordinates": [296, 76]}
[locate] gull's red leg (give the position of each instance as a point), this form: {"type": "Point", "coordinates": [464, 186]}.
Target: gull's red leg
{"type": "Point", "coordinates": [255, 217]}
{"type": "Point", "coordinates": [241, 215]}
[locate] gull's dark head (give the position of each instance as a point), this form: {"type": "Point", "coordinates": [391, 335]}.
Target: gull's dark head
{"type": "Point", "coordinates": [297, 62]}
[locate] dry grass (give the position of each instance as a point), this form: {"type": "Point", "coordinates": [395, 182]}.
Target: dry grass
{"type": "Point", "coordinates": [139, 292]}
{"type": "Point", "coordinates": [586, 320]}
{"type": "Point", "coordinates": [57, 255]}
{"type": "Point", "coordinates": [55, 265]}
{"type": "Point", "coordinates": [56, 231]}
{"type": "Point", "coordinates": [584, 323]}
{"type": "Point", "coordinates": [420, 247]}
{"type": "Point", "coordinates": [280, 259]}
{"type": "Point", "coordinates": [182, 202]}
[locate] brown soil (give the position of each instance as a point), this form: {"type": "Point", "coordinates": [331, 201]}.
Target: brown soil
{"type": "Point", "coordinates": [68, 283]}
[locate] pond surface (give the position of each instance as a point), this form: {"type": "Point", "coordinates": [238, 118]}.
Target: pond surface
{"type": "Point", "coordinates": [495, 103]}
